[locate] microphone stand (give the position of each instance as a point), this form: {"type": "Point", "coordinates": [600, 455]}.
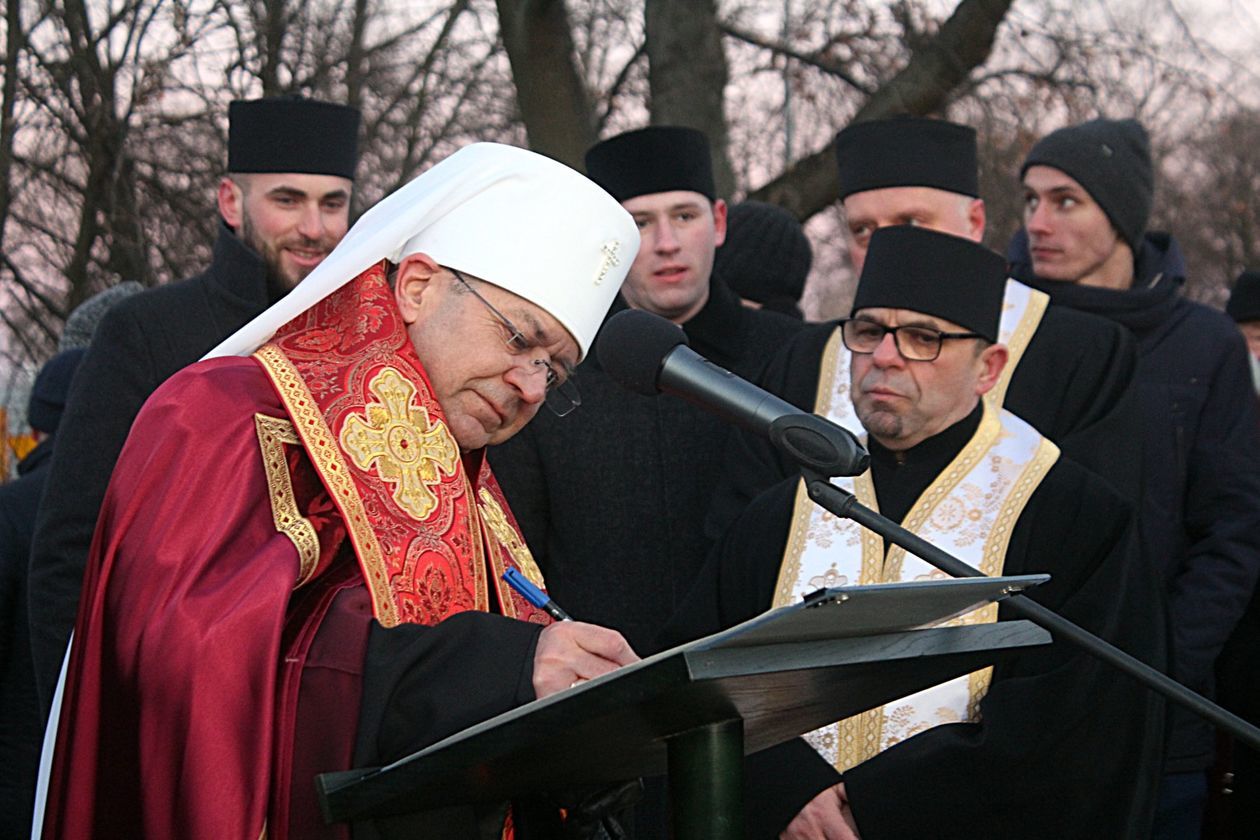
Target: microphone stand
{"type": "Point", "coordinates": [817, 470]}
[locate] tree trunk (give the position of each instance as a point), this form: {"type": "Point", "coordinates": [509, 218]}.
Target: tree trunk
{"type": "Point", "coordinates": [12, 50]}
{"type": "Point", "coordinates": [687, 74]}
{"type": "Point", "coordinates": [923, 86]}
{"type": "Point", "coordinates": [554, 103]}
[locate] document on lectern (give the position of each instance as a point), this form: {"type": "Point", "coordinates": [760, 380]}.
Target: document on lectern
{"type": "Point", "coordinates": [847, 611]}
{"type": "Point", "coordinates": [827, 615]}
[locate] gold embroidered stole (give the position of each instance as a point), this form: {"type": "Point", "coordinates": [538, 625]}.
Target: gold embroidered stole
{"type": "Point", "coordinates": [1022, 310]}
{"type": "Point", "coordinates": [431, 539]}
{"type": "Point", "coordinates": [969, 511]}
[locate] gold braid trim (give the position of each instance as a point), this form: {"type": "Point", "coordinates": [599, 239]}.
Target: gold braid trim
{"type": "Point", "coordinates": [321, 445]}
{"type": "Point", "coordinates": [803, 507]}
{"type": "Point", "coordinates": [273, 434]}
{"type": "Point", "coordinates": [944, 484]}
{"type": "Point", "coordinates": [1028, 323]}
{"type": "Point", "coordinates": [995, 547]}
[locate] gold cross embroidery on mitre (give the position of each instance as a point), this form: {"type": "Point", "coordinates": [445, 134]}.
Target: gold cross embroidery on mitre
{"type": "Point", "coordinates": [398, 437]}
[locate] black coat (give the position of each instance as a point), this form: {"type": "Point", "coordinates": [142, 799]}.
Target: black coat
{"type": "Point", "coordinates": [611, 498]}
{"type": "Point", "coordinates": [1200, 513]}
{"type": "Point", "coordinates": [1065, 746]}
{"type": "Point", "coordinates": [19, 709]}
{"type": "Point", "coordinates": [140, 342]}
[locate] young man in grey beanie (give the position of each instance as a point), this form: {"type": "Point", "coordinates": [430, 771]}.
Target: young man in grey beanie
{"type": "Point", "coordinates": [1087, 199]}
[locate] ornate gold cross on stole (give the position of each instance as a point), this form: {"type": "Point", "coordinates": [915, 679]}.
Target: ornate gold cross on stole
{"type": "Point", "coordinates": [397, 436]}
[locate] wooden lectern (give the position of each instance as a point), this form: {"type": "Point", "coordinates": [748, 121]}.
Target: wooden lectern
{"type": "Point", "coordinates": [696, 710]}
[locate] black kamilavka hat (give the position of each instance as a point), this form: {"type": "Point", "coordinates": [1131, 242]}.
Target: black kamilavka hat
{"type": "Point", "coordinates": [907, 152]}
{"type": "Point", "coordinates": [1244, 298]}
{"type": "Point", "coordinates": [660, 158]}
{"type": "Point", "coordinates": [292, 134]}
{"type": "Point", "coordinates": [934, 273]}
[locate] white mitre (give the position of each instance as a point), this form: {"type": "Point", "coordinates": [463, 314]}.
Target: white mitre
{"type": "Point", "coordinates": [514, 218]}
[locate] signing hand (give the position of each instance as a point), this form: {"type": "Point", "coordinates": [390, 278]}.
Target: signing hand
{"type": "Point", "coordinates": [570, 651]}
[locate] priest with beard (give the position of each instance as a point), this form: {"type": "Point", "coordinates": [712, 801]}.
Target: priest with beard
{"type": "Point", "coordinates": [1049, 743]}
{"type": "Point", "coordinates": [283, 204]}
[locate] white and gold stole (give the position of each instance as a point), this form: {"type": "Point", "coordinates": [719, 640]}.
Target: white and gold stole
{"type": "Point", "coordinates": [968, 511]}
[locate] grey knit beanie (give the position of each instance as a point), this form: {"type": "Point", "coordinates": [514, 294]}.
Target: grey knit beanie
{"type": "Point", "coordinates": [81, 323]}
{"type": "Point", "coordinates": [1111, 159]}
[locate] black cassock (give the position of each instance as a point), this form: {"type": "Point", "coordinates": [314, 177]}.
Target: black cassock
{"type": "Point", "coordinates": [1074, 384]}
{"type": "Point", "coordinates": [1066, 747]}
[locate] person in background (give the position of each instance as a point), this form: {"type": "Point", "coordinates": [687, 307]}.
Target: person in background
{"type": "Point", "coordinates": [766, 257]}
{"type": "Point", "coordinates": [1088, 191]}
{"type": "Point", "coordinates": [19, 502]}
{"type": "Point", "coordinates": [283, 205]}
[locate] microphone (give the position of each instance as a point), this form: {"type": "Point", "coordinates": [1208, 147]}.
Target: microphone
{"type": "Point", "coordinates": [648, 355]}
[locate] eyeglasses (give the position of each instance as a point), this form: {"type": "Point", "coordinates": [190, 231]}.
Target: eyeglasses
{"type": "Point", "coordinates": [562, 392]}
{"type": "Point", "coordinates": [916, 344]}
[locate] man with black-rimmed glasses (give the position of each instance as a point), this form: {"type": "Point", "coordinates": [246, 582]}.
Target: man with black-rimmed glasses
{"type": "Point", "coordinates": [1048, 744]}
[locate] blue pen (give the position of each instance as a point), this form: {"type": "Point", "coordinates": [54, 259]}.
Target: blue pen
{"type": "Point", "coordinates": [534, 595]}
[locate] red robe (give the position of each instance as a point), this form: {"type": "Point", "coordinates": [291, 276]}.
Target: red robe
{"type": "Point", "coordinates": [264, 508]}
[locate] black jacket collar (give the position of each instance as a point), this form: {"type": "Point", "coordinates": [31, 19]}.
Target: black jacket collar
{"type": "Point", "coordinates": [714, 332]}
{"type": "Point", "coordinates": [238, 269]}
{"type": "Point", "coordinates": [1159, 272]}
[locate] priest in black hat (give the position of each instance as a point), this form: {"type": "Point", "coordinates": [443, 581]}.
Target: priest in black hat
{"type": "Point", "coordinates": [1069, 373]}
{"type": "Point", "coordinates": [283, 205]}
{"type": "Point", "coordinates": [612, 498]}
{"type": "Point", "coordinates": [1244, 307]}
{"type": "Point", "coordinates": [1048, 744]}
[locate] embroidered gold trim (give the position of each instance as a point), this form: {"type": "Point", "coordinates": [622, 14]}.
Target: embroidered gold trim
{"type": "Point", "coordinates": [497, 542]}
{"type": "Point", "coordinates": [320, 445]}
{"type": "Point", "coordinates": [803, 506]}
{"type": "Point", "coordinates": [944, 484]}
{"type": "Point", "coordinates": [492, 513]}
{"type": "Point", "coordinates": [396, 437]}
{"type": "Point", "coordinates": [873, 562]}
{"type": "Point", "coordinates": [273, 434]}
{"type": "Point", "coordinates": [1034, 311]}
{"type": "Point", "coordinates": [481, 550]}
{"type": "Point", "coordinates": [859, 738]}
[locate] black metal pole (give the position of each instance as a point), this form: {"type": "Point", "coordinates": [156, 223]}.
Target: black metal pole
{"type": "Point", "coordinates": [706, 781]}
{"type": "Point", "coordinates": [844, 504]}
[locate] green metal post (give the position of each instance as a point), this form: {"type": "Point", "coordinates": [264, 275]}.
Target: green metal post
{"type": "Point", "coordinates": [706, 782]}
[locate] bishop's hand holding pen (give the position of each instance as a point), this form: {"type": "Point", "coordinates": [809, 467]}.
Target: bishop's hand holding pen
{"type": "Point", "coordinates": [569, 652]}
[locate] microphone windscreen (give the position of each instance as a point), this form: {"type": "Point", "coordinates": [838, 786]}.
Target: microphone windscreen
{"type": "Point", "coordinates": [633, 344]}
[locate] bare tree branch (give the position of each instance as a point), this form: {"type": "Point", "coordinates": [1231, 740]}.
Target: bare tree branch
{"type": "Point", "coordinates": [828, 67]}
{"type": "Point", "coordinates": [923, 85]}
